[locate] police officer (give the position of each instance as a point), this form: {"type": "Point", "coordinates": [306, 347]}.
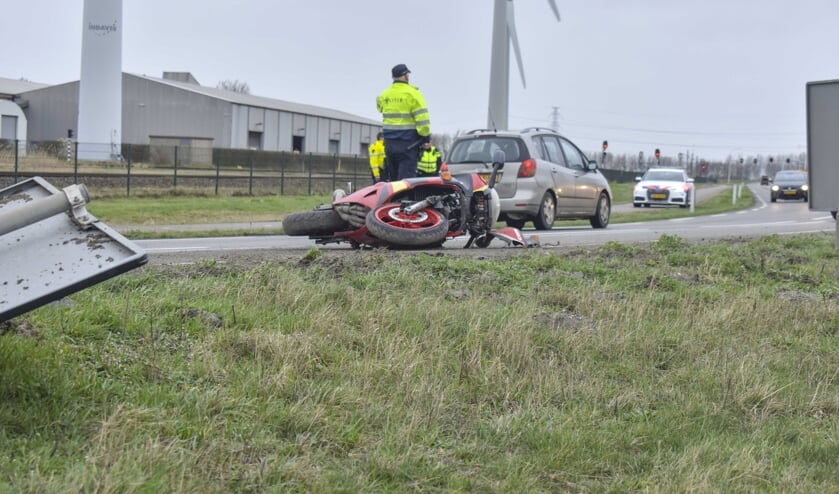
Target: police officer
{"type": "Point", "coordinates": [376, 151]}
{"type": "Point", "coordinates": [406, 123]}
{"type": "Point", "coordinates": [429, 161]}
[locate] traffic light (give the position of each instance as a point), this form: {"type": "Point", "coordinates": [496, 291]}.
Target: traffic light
{"type": "Point", "coordinates": [605, 145]}
{"type": "Point", "coordinates": [704, 166]}
{"type": "Point", "coordinates": [69, 133]}
{"type": "Point", "coordinates": [771, 159]}
{"type": "Point", "coordinates": [741, 161]}
{"type": "Point", "coordinates": [657, 153]}
{"type": "Point", "coordinates": [754, 161]}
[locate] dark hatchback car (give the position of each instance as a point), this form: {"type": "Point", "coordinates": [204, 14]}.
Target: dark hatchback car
{"type": "Point", "coordinates": [789, 184]}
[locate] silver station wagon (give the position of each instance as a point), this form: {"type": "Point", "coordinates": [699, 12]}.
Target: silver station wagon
{"type": "Point", "coordinates": [545, 176]}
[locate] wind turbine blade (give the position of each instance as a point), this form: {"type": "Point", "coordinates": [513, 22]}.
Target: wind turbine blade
{"type": "Point", "coordinates": [511, 31]}
{"type": "Point", "coordinates": [556, 10]}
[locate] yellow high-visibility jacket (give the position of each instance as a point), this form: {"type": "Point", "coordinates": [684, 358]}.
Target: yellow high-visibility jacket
{"type": "Point", "coordinates": [377, 158]}
{"type": "Point", "coordinates": [404, 112]}
{"type": "Point", "coordinates": [430, 160]}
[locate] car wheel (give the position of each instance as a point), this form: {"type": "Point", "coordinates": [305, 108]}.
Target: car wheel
{"type": "Point", "coordinates": [602, 213]}
{"type": "Point", "coordinates": [773, 199]}
{"type": "Point", "coordinates": [547, 213]}
{"type": "Point", "coordinates": [636, 204]}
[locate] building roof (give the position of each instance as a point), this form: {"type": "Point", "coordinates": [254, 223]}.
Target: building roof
{"type": "Point", "coordinates": [263, 102]}
{"type": "Point", "coordinates": [11, 87]}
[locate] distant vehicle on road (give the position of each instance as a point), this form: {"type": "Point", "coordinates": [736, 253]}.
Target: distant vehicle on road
{"type": "Point", "coordinates": [764, 180]}
{"type": "Point", "coordinates": [662, 186]}
{"type": "Point", "coordinates": [789, 184]}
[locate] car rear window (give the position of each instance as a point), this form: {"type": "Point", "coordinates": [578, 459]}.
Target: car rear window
{"type": "Point", "coordinates": [480, 150]}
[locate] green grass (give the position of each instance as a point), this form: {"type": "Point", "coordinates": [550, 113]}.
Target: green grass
{"type": "Point", "coordinates": [197, 209]}
{"type": "Point", "coordinates": [666, 368]}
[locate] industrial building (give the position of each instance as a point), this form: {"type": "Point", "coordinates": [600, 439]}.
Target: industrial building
{"type": "Point", "coordinates": [176, 110]}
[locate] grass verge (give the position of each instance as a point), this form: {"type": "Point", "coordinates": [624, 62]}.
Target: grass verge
{"type": "Point", "coordinates": [666, 368]}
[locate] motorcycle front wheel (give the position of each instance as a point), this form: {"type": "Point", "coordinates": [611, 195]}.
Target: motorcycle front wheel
{"type": "Point", "coordinates": [316, 222]}
{"type": "Point", "coordinates": [425, 228]}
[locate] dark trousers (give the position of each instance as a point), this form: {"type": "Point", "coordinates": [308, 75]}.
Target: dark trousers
{"type": "Point", "coordinates": [402, 157]}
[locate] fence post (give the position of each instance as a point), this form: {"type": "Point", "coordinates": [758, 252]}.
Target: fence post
{"type": "Point", "coordinates": [128, 173]}
{"type": "Point", "coordinates": [175, 176]}
{"type": "Point", "coordinates": [310, 172]}
{"type": "Point", "coordinates": [250, 173]}
{"type": "Point", "coordinates": [355, 172]}
{"type": "Point", "coordinates": [282, 176]}
{"type": "Point", "coordinates": [335, 165]}
{"type": "Point", "coordinates": [218, 172]}
{"type": "Point", "coordinates": [16, 159]}
{"type": "Point", "coordinates": [76, 162]}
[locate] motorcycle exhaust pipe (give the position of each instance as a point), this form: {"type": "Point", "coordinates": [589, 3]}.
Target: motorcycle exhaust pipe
{"type": "Point", "coordinates": [419, 206]}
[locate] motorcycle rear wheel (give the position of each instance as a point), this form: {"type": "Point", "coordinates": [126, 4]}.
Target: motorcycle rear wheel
{"type": "Point", "coordinates": [426, 228]}
{"type": "Point", "coordinates": [316, 222]}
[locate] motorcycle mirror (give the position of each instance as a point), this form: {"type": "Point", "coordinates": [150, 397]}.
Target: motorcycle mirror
{"type": "Point", "coordinates": [499, 157]}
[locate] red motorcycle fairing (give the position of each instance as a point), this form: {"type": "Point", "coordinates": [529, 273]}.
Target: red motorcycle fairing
{"type": "Point", "coordinates": [512, 236]}
{"type": "Point", "coordinates": [380, 193]}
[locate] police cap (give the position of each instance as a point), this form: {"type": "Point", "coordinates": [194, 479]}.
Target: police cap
{"type": "Point", "coordinates": [399, 70]}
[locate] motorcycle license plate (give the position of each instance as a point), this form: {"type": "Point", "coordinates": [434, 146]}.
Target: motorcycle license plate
{"type": "Point", "coordinates": [485, 176]}
{"type": "Point", "coordinates": [659, 196]}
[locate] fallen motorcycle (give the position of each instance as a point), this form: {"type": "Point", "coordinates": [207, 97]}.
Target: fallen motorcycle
{"type": "Point", "coordinates": [417, 212]}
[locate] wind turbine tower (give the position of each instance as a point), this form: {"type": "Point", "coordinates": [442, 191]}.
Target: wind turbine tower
{"type": "Point", "coordinates": [504, 34]}
{"type": "Point", "coordinates": [100, 85]}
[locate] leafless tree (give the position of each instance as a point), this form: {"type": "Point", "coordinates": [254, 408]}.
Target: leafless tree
{"type": "Point", "coordinates": [235, 86]}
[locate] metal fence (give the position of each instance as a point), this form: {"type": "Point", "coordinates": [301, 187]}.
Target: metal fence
{"type": "Point", "coordinates": [156, 169]}
{"type": "Point", "coordinates": [152, 169]}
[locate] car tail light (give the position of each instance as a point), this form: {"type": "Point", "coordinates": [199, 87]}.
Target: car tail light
{"type": "Point", "coordinates": [527, 168]}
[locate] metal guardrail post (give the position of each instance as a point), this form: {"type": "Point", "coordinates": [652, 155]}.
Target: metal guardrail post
{"type": "Point", "coordinates": [74, 196]}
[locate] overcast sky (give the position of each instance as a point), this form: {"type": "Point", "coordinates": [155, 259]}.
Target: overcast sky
{"type": "Point", "coordinates": [709, 77]}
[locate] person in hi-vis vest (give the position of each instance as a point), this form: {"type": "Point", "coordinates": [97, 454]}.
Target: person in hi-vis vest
{"type": "Point", "coordinates": [376, 151]}
{"type": "Point", "coordinates": [429, 161]}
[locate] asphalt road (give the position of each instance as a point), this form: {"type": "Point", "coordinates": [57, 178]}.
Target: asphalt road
{"type": "Point", "coordinates": [764, 218]}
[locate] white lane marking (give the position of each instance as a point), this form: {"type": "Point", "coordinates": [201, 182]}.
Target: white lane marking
{"type": "Point", "coordinates": [176, 249]}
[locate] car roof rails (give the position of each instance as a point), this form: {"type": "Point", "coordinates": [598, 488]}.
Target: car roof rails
{"type": "Point", "coordinates": [476, 131]}
{"type": "Point", "coordinates": [537, 129]}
